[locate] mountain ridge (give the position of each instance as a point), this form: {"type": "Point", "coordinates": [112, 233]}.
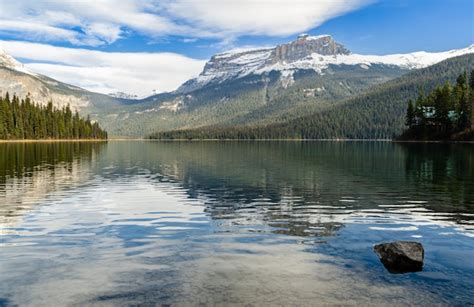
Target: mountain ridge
{"type": "Point", "coordinates": [377, 113]}
{"type": "Point", "coordinates": [236, 87]}
{"type": "Point", "coordinates": [9, 62]}
{"type": "Point", "coordinates": [306, 52]}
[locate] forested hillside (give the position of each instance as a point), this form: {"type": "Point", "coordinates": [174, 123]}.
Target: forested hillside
{"type": "Point", "coordinates": [237, 88]}
{"type": "Point", "coordinates": [23, 119]}
{"type": "Point", "coordinates": [445, 113]}
{"type": "Point", "coordinates": [378, 113]}
{"type": "Point", "coordinates": [251, 99]}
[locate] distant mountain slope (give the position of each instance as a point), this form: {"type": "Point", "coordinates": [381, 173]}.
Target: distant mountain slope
{"type": "Point", "coordinates": [17, 79]}
{"type": "Point", "coordinates": [377, 113]}
{"type": "Point", "coordinates": [266, 86]}
{"type": "Point", "coordinates": [250, 87]}
{"type": "Point", "coordinates": [315, 53]}
{"type": "Point", "coordinates": [253, 98]}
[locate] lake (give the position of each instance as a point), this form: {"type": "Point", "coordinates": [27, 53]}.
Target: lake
{"type": "Point", "coordinates": [233, 223]}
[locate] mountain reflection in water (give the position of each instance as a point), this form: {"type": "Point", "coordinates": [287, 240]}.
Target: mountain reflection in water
{"type": "Point", "coordinates": [232, 222]}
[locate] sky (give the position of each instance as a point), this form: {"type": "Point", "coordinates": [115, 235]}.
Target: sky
{"type": "Point", "coordinates": [142, 47]}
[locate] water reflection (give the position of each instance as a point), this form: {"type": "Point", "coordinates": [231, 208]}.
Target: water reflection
{"type": "Point", "coordinates": [232, 222]}
{"type": "Point", "coordinates": [30, 172]}
{"type": "Point", "coordinates": [446, 171]}
{"type": "Point", "coordinates": [307, 189]}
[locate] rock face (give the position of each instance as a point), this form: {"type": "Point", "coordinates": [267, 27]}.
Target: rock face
{"type": "Point", "coordinates": [239, 63]}
{"type": "Point", "coordinates": [41, 89]}
{"type": "Point", "coordinates": [7, 61]}
{"type": "Point", "coordinates": [315, 53]}
{"type": "Point", "coordinates": [18, 80]}
{"type": "Point", "coordinates": [305, 46]}
{"type": "Point", "coordinates": [401, 256]}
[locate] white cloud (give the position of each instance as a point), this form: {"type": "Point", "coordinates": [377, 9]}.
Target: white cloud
{"type": "Point", "coordinates": [261, 17]}
{"type": "Point", "coordinates": [96, 22]}
{"type": "Point", "coordinates": [80, 22]}
{"type": "Point", "coordinates": [99, 22]}
{"type": "Point", "coordinates": [106, 72]}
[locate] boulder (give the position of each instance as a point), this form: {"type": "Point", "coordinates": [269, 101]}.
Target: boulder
{"type": "Point", "coordinates": [401, 256]}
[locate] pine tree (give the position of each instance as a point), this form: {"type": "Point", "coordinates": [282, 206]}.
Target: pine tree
{"type": "Point", "coordinates": [23, 119]}
{"type": "Point", "coordinates": [9, 122]}
{"type": "Point", "coordinates": [419, 104]}
{"type": "Point", "coordinates": [471, 99]}
{"type": "Point", "coordinates": [461, 97]}
{"type": "Point", "coordinates": [2, 119]}
{"type": "Point", "coordinates": [409, 120]}
{"type": "Point", "coordinates": [442, 104]}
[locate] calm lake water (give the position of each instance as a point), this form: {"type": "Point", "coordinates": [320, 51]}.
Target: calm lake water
{"type": "Point", "coordinates": [245, 223]}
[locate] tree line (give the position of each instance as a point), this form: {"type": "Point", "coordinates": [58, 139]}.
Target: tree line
{"type": "Point", "coordinates": [378, 113]}
{"type": "Point", "coordinates": [447, 110]}
{"type": "Point", "coordinates": [24, 119]}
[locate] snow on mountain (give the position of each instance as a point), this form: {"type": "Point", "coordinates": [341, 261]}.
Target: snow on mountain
{"type": "Point", "coordinates": [123, 95]}
{"type": "Point", "coordinates": [18, 80]}
{"type": "Point", "coordinates": [319, 62]}
{"type": "Point", "coordinates": [306, 52]}
{"type": "Point", "coordinates": [9, 62]}
{"type": "Point", "coordinates": [239, 51]}
{"type": "Point", "coordinates": [230, 65]}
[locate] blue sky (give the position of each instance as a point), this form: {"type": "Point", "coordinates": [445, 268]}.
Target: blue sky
{"type": "Point", "coordinates": [382, 27]}
{"type": "Point", "coordinates": [179, 35]}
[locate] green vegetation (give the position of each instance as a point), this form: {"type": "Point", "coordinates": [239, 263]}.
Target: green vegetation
{"type": "Point", "coordinates": [250, 100]}
{"type": "Point", "coordinates": [18, 160]}
{"type": "Point", "coordinates": [445, 113]}
{"type": "Point", "coordinates": [378, 113]}
{"type": "Point", "coordinates": [23, 119]}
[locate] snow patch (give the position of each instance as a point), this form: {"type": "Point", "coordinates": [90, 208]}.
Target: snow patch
{"type": "Point", "coordinates": [146, 111]}
{"type": "Point", "coordinates": [123, 95]}
{"type": "Point", "coordinates": [318, 37]}
{"type": "Point", "coordinates": [286, 78]}
{"type": "Point", "coordinates": [173, 106]}
{"type": "Point", "coordinates": [237, 63]}
{"type": "Point", "coordinates": [9, 62]}
{"type": "Point", "coordinates": [240, 51]}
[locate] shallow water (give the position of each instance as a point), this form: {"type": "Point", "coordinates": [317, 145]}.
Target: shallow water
{"type": "Point", "coordinates": [256, 223]}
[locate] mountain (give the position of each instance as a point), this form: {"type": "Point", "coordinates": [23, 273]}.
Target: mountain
{"type": "Point", "coordinates": [266, 86]}
{"type": "Point", "coordinates": [123, 95]}
{"type": "Point", "coordinates": [307, 52]}
{"type": "Point", "coordinates": [377, 113]}
{"type": "Point", "coordinates": [8, 62]}
{"type": "Point", "coordinates": [287, 57]}
{"type": "Point", "coordinates": [15, 78]}
{"type": "Point", "coordinates": [261, 86]}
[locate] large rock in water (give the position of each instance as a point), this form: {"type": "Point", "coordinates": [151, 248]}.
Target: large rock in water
{"type": "Point", "coordinates": [401, 256]}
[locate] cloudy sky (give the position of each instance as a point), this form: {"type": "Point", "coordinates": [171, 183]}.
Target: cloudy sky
{"type": "Point", "coordinates": [140, 46]}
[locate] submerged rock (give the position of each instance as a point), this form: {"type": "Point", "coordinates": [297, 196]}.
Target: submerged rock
{"type": "Point", "coordinates": [401, 256]}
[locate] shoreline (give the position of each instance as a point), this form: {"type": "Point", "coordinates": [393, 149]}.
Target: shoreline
{"type": "Point", "coordinates": [227, 140]}
{"type": "Point", "coordinates": [52, 140]}
{"type": "Point", "coordinates": [305, 140]}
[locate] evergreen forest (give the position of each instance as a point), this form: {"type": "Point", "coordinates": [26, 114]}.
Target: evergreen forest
{"type": "Point", "coordinates": [444, 113]}
{"type": "Point", "coordinates": [24, 119]}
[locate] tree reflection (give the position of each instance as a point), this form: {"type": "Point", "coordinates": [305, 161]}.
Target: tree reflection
{"type": "Point", "coordinates": [29, 172]}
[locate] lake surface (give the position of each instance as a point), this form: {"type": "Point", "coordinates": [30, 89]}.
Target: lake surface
{"type": "Point", "coordinates": [244, 223]}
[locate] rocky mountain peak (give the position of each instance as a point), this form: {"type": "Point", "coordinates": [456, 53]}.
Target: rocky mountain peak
{"type": "Point", "coordinates": [241, 62]}
{"type": "Point", "coordinates": [7, 61]}
{"type": "Point", "coordinates": [306, 52]}
{"type": "Point", "coordinates": [305, 45]}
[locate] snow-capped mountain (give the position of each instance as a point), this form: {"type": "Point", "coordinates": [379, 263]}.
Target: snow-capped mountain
{"type": "Point", "coordinates": [123, 95]}
{"type": "Point", "coordinates": [7, 61]}
{"type": "Point", "coordinates": [239, 87]}
{"type": "Point", "coordinates": [305, 53]}
{"type": "Point", "coordinates": [17, 80]}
